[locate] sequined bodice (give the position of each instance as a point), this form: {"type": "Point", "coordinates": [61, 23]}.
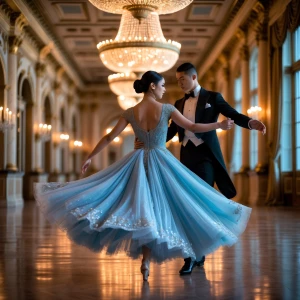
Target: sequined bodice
{"type": "Point", "coordinates": [156, 137]}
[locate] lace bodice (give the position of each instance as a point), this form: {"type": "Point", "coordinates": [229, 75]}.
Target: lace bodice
{"type": "Point", "coordinates": [156, 137]}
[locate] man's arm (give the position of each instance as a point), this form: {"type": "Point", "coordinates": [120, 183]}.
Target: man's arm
{"type": "Point", "coordinates": [172, 130]}
{"type": "Point", "coordinates": [229, 112]}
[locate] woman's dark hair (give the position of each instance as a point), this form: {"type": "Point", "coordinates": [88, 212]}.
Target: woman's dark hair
{"type": "Point", "coordinates": [142, 85]}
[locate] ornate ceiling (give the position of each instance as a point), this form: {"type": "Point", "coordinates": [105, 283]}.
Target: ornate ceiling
{"type": "Point", "coordinates": [79, 26]}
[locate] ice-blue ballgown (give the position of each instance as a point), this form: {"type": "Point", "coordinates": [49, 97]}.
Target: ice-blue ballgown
{"type": "Point", "coordinates": [146, 198]}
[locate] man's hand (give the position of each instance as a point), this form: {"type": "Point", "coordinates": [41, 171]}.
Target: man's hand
{"type": "Point", "coordinates": [226, 124]}
{"type": "Point", "coordinates": [138, 144]}
{"type": "Point", "coordinates": [257, 125]}
{"type": "Point", "coordinates": [85, 166]}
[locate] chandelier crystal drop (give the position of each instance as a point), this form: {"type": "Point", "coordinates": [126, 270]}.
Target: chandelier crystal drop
{"type": "Point", "coordinates": [139, 47]}
{"type": "Point", "coordinates": [141, 8]}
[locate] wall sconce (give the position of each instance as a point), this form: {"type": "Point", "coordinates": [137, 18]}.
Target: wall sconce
{"type": "Point", "coordinates": [77, 144]}
{"type": "Point", "coordinates": [6, 117]}
{"type": "Point", "coordinates": [64, 137]}
{"type": "Point", "coordinates": [43, 132]}
{"type": "Point", "coordinates": [254, 112]}
{"type": "Point", "coordinates": [60, 138]}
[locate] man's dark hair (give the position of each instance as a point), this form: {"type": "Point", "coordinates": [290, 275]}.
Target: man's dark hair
{"type": "Point", "coordinates": [187, 68]}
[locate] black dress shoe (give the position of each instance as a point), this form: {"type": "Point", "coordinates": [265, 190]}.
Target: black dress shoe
{"type": "Point", "coordinates": [188, 266]}
{"type": "Point", "coordinates": [200, 263]}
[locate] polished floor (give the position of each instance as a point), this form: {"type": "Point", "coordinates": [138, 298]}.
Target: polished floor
{"type": "Point", "coordinates": [38, 262]}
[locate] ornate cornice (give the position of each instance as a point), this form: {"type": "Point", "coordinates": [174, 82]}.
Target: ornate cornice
{"type": "Point", "coordinates": [6, 9]}
{"type": "Point", "coordinates": [42, 19]}
{"type": "Point", "coordinates": [224, 26]}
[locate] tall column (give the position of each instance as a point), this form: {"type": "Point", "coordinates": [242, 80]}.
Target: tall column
{"type": "Point", "coordinates": [258, 179]}
{"type": "Point", "coordinates": [242, 177]}
{"type": "Point", "coordinates": [226, 136]}
{"type": "Point", "coordinates": [40, 70]}
{"type": "Point", "coordinates": [14, 42]}
{"type": "Point", "coordinates": [12, 194]}
{"type": "Point", "coordinates": [244, 55]}
{"type": "Point", "coordinates": [262, 165]}
{"type": "Point", "coordinates": [17, 21]}
{"type": "Point", "coordinates": [96, 162]}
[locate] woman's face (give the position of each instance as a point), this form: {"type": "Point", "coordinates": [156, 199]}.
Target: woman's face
{"type": "Point", "coordinates": [159, 89]}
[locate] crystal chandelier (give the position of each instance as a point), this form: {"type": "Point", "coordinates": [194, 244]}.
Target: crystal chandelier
{"type": "Point", "coordinates": [122, 84]}
{"type": "Point", "coordinates": [141, 8]}
{"type": "Point", "coordinates": [127, 102]}
{"type": "Point", "coordinates": [139, 47]}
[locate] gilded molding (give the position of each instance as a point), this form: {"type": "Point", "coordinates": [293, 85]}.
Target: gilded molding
{"type": "Point", "coordinates": [14, 43]}
{"type": "Point", "coordinates": [45, 51]}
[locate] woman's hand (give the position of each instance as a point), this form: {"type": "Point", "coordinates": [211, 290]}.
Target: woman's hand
{"type": "Point", "coordinates": [226, 124]}
{"type": "Point", "coordinates": [85, 165]}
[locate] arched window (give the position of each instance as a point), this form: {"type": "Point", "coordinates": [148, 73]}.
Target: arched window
{"type": "Point", "coordinates": [286, 132]}
{"type": "Point", "coordinates": [253, 102]}
{"type": "Point", "coordinates": [296, 67]}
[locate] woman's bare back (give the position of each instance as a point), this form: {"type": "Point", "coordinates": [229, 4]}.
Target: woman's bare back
{"type": "Point", "coordinates": [147, 114]}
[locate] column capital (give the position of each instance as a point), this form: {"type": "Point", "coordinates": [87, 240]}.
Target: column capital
{"type": "Point", "coordinates": [40, 69]}
{"type": "Point", "coordinates": [45, 51]}
{"type": "Point", "coordinates": [94, 106]}
{"type": "Point", "coordinates": [14, 42]}
{"type": "Point", "coordinates": [244, 53]}
{"type": "Point", "coordinates": [241, 34]}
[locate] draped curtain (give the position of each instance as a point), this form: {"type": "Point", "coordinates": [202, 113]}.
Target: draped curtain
{"type": "Point", "coordinates": [289, 20]}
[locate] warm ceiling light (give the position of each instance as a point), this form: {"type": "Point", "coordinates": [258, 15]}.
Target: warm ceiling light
{"type": "Point", "coordinates": [127, 102]}
{"type": "Point", "coordinates": [139, 47]}
{"type": "Point", "coordinates": [122, 84]}
{"type": "Point", "coordinates": [141, 8]}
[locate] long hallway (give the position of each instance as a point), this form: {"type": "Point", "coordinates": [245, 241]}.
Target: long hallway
{"type": "Point", "coordinates": [39, 262]}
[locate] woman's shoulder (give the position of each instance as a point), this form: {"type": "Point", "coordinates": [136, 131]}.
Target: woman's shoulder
{"type": "Point", "coordinates": [169, 107]}
{"type": "Point", "coordinates": [126, 113]}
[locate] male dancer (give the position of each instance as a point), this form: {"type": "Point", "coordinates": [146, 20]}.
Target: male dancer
{"type": "Point", "coordinates": [201, 152]}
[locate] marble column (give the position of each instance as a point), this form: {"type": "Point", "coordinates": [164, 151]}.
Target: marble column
{"type": "Point", "coordinates": [40, 70]}
{"type": "Point", "coordinates": [12, 103]}
{"type": "Point", "coordinates": [259, 177]}
{"type": "Point", "coordinates": [95, 127]}
{"type": "Point", "coordinates": [225, 136]}
{"type": "Point", "coordinates": [242, 177]}
{"type": "Point", "coordinates": [11, 179]}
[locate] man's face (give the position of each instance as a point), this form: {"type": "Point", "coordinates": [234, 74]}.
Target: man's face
{"type": "Point", "coordinates": [185, 81]}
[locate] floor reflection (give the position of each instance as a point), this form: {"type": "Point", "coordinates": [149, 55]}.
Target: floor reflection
{"type": "Point", "coordinates": [38, 261]}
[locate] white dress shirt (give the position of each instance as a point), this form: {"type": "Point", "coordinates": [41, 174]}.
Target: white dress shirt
{"type": "Point", "coordinates": [189, 112]}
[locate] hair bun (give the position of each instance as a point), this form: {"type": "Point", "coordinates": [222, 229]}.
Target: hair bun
{"type": "Point", "coordinates": [138, 86]}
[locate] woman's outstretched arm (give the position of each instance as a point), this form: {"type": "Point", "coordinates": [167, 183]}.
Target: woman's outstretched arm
{"type": "Point", "coordinates": [183, 122]}
{"type": "Point", "coordinates": [122, 123]}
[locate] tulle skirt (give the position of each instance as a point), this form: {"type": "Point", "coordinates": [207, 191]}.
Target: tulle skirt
{"type": "Point", "coordinates": [148, 198]}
